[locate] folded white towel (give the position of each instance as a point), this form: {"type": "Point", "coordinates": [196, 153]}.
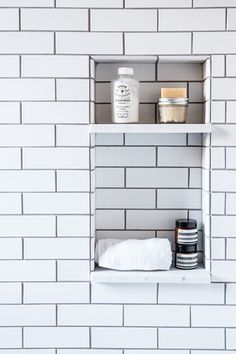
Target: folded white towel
{"type": "Point", "coordinates": [149, 254]}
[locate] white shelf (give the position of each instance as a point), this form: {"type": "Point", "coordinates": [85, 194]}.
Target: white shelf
{"type": "Point", "coordinates": [150, 128]}
{"type": "Point", "coordinates": [195, 276]}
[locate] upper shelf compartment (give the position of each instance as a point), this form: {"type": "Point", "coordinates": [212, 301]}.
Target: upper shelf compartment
{"type": "Point", "coordinates": [153, 73]}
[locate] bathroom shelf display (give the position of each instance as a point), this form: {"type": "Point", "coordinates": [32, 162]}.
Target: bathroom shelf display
{"type": "Point", "coordinates": [109, 219]}
{"type": "Point", "coordinates": [150, 128]}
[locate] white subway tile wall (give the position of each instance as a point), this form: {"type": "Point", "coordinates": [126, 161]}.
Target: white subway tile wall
{"type": "Point", "coordinates": [143, 182]}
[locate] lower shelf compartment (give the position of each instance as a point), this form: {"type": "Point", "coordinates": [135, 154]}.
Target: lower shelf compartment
{"type": "Point", "coordinates": [195, 276]}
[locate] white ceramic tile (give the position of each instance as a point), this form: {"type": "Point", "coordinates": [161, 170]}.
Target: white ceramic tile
{"type": "Point", "coordinates": [218, 248]}
{"type": "Point", "coordinates": [215, 43]}
{"type": "Point", "coordinates": [213, 316]}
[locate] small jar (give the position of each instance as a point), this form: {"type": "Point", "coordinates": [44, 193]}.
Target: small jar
{"type": "Point", "coordinates": [173, 110]}
{"type": "Point", "coordinates": [186, 256]}
{"type": "Point", "coordinates": [186, 231]}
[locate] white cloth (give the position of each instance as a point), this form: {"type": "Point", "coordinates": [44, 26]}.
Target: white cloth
{"type": "Point", "coordinates": [133, 254]}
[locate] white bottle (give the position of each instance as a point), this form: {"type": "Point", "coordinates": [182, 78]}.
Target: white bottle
{"type": "Point", "coordinates": [125, 99]}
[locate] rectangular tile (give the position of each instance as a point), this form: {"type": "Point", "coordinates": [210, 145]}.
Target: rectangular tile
{"type": "Point", "coordinates": [123, 20]}
{"type": "Point", "coordinates": [124, 337]}
{"type": "Point", "coordinates": [27, 270]}
{"type": "Point", "coordinates": [10, 337]}
{"type": "Point", "coordinates": [110, 219]}
{"type": "Point", "coordinates": [158, 3]}
{"type": "Point", "coordinates": [90, 3]}
{"type": "Point", "coordinates": [192, 20]}
{"type": "Point", "coordinates": [222, 89]}
{"type": "Point", "coordinates": [73, 270]}
{"type": "Point", "coordinates": [161, 43]}
{"type": "Point", "coordinates": [74, 90]}
{"type": "Point", "coordinates": [214, 43]}
{"type": "Point", "coordinates": [179, 156]}
{"type": "Point", "coordinates": [213, 316]}
{"type": "Point", "coordinates": [72, 135]}
{"type": "Point", "coordinates": [189, 338]}
{"type": "Point", "coordinates": [223, 271]}
{"type": "Point", "coordinates": [88, 43]}
{"type": "Point", "coordinates": [72, 181]}
{"type": "Point", "coordinates": [223, 181]}
{"type": "Point", "coordinates": [153, 219]}
{"type": "Point", "coordinates": [10, 293]}
{"type": "Point", "coordinates": [10, 248]}
{"type": "Point", "coordinates": [179, 198]}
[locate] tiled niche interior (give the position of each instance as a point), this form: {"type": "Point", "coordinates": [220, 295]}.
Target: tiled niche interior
{"type": "Point", "coordinates": [140, 183]}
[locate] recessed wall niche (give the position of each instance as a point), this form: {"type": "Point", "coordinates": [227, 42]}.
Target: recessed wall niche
{"type": "Point", "coordinates": [140, 183]}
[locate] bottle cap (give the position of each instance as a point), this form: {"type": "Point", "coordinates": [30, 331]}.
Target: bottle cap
{"type": "Point", "coordinates": [186, 223]}
{"type": "Point", "coordinates": [125, 71]}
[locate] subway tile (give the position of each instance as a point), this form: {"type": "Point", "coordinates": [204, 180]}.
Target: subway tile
{"type": "Point", "coordinates": [54, 19]}
{"type": "Point", "coordinates": [124, 337]}
{"type": "Point", "coordinates": [27, 3]}
{"type": "Point", "coordinates": [56, 203]}
{"type": "Point", "coordinates": [179, 198]}
{"type": "Point", "coordinates": [218, 248]}
{"type": "Point", "coordinates": [109, 177]}
{"type": "Point", "coordinates": [214, 43]}
{"type": "Point", "coordinates": [157, 177]}
{"type": "Point", "coordinates": [110, 219]}
{"type": "Point", "coordinates": [9, 112]}
{"type": "Point", "coordinates": [10, 158]}
{"type": "Point", "coordinates": [223, 226]}
{"type": "Point", "coordinates": [10, 293]}
{"type": "Point", "coordinates": [156, 315]}
{"type": "Point", "coordinates": [158, 351]}
{"type": "Point", "coordinates": [27, 89]}
{"type": "Point", "coordinates": [231, 294]}
{"type": "Point", "coordinates": [217, 3]}
{"type": "Point", "coordinates": [217, 112]}
{"type": "Point", "coordinates": [69, 225]}
{"type": "Point", "coordinates": [189, 338]}
{"type": "Point", "coordinates": [55, 112]}
{"type": "Point", "coordinates": [58, 158]}
{"type": "Point", "coordinates": [178, 71]}
{"type": "Point", "coordinates": [27, 226]}
{"type": "Point", "coordinates": [25, 135]}
{"type": "Point", "coordinates": [217, 203]}
{"type": "Point", "coordinates": [231, 249]}
{"type": "Point", "coordinates": [9, 65]}
{"type": "Point", "coordinates": [90, 3]}
{"type": "Point", "coordinates": [223, 181]}
{"type": "Point", "coordinates": [27, 181]}
{"type": "Point", "coordinates": [9, 19]}
{"type": "Point", "coordinates": [107, 139]}
{"type": "Point", "coordinates": [230, 159]}
{"type": "Point", "coordinates": [51, 337]}
{"type": "Point", "coordinates": [10, 337]}
{"type": "Point", "coordinates": [124, 234]}
{"type": "Point", "coordinates": [27, 270]}
{"type": "Point", "coordinates": [10, 203]}
{"type": "Point", "coordinates": [162, 43]}
{"type": "Point", "coordinates": [73, 90]}
{"type": "Point", "coordinates": [56, 292]}
{"type": "Point", "coordinates": [72, 135]}
{"type": "Point", "coordinates": [158, 3]}
{"type": "Point", "coordinates": [213, 316]}
{"type": "Point", "coordinates": [125, 198]}
{"type": "Point", "coordinates": [27, 315]}
{"type": "Point", "coordinates": [26, 43]}
{"type": "Point", "coordinates": [224, 135]}
{"type": "Point", "coordinates": [231, 203]}
{"type": "Point", "coordinates": [123, 20]}
{"type": "Point", "coordinates": [218, 65]}
{"type": "Point", "coordinates": [153, 219]}
{"type": "Point", "coordinates": [29, 351]}
{"type": "Point", "coordinates": [55, 65]}
{"type": "Point", "coordinates": [90, 315]}
{"type": "Point", "coordinates": [195, 175]}
{"type": "Point", "coordinates": [155, 139]}
{"type": "Point", "coordinates": [223, 271]}
{"type": "Point", "coordinates": [56, 248]}
{"type": "Point", "coordinates": [230, 338]}
{"type": "Point", "coordinates": [231, 112]}
{"type": "Point", "coordinates": [179, 156]}
{"type": "Point", "coordinates": [10, 248]}
{"type": "Point", "coordinates": [231, 19]}
{"type": "Point", "coordinates": [72, 181]}
{"type": "Point", "coordinates": [195, 92]}
{"type": "Point", "coordinates": [192, 20]}
{"type": "Point", "coordinates": [88, 43]}
{"type": "Point", "coordinates": [125, 156]}
{"type": "Point", "coordinates": [73, 270]}
{"type": "Point", "coordinates": [123, 293]}
{"type": "Point", "coordinates": [191, 294]}
{"type": "Point", "coordinates": [222, 88]}
{"type": "Point", "coordinates": [217, 157]}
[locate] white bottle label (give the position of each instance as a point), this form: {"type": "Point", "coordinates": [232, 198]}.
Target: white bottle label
{"type": "Point", "coordinates": [125, 101]}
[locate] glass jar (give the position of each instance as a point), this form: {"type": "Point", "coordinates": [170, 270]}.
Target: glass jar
{"type": "Point", "coordinates": [186, 231]}
{"type": "Point", "coordinates": [173, 110]}
{"type": "Point", "coordinates": [186, 256]}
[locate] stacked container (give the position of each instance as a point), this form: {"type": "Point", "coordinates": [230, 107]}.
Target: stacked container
{"type": "Point", "coordinates": [186, 238]}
